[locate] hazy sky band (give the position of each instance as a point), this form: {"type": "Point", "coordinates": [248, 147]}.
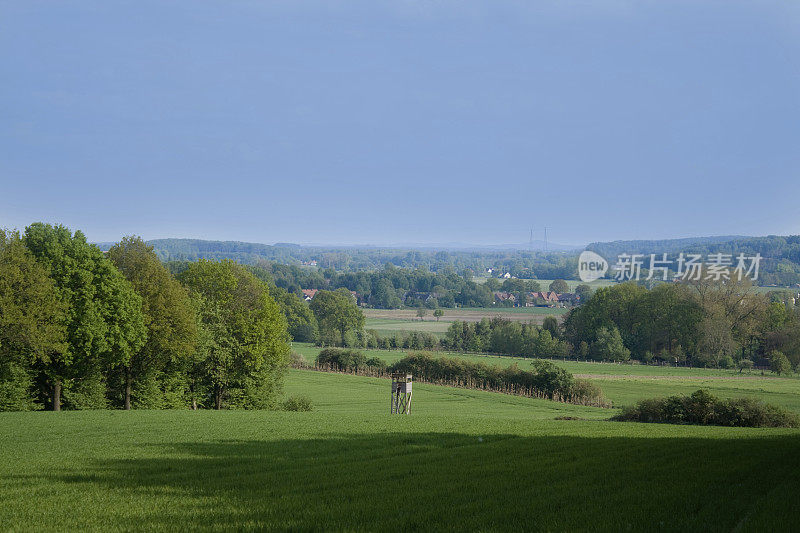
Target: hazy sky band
{"type": "Point", "coordinates": [387, 122]}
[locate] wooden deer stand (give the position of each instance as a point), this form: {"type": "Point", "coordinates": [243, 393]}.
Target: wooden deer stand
{"type": "Point", "coordinates": [400, 399]}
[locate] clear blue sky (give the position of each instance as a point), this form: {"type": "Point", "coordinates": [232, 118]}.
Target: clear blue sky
{"type": "Point", "coordinates": [401, 121]}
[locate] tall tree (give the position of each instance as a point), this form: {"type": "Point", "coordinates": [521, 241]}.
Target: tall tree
{"type": "Point", "coordinates": [167, 310]}
{"type": "Point", "coordinates": [336, 311]}
{"type": "Point", "coordinates": [104, 323]}
{"type": "Point", "coordinates": [550, 324]}
{"type": "Point", "coordinates": [244, 333]}
{"type": "Point", "coordinates": [301, 321]}
{"type": "Point", "coordinates": [559, 286]}
{"type": "Point", "coordinates": [31, 322]}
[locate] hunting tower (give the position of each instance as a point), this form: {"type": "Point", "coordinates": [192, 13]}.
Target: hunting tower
{"type": "Point", "coordinates": [400, 399]}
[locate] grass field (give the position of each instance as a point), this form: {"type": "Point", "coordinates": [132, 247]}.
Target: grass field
{"type": "Point", "coordinates": [387, 326]}
{"type": "Point", "coordinates": [387, 321]}
{"type": "Point", "coordinates": [463, 460]}
{"type": "Point", "coordinates": [626, 384]}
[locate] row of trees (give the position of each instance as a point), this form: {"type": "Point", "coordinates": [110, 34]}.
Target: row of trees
{"type": "Point", "coordinates": [503, 336]}
{"type": "Point", "coordinates": [86, 330]}
{"type": "Point", "coordinates": [702, 322]}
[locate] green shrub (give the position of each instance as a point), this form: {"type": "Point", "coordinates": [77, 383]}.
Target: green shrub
{"type": "Point", "coordinates": [89, 392]}
{"type": "Point", "coordinates": [376, 362]}
{"type": "Point", "coordinates": [583, 388]}
{"type": "Point", "coordinates": [298, 403]}
{"type": "Point", "coordinates": [297, 360]}
{"type": "Point", "coordinates": [779, 363]}
{"type": "Point", "coordinates": [348, 360]}
{"type": "Point", "coordinates": [16, 386]}
{"type": "Point", "coordinates": [703, 408]}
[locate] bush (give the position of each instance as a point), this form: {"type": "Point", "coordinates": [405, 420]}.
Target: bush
{"type": "Point", "coordinates": [88, 392]}
{"type": "Point", "coordinates": [779, 363]}
{"type": "Point", "coordinates": [298, 403]}
{"type": "Point", "coordinates": [583, 388]}
{"type": "Point", "coordinates": [16, 386]}
{"type": "Point", "coordinates": [348, 359]}
{"type": "Point", "coordinates": [296, 360]}
{"type": "Point", "coordinates": [376, 362]}
{"type": "Point", "coordinates": [703, 408]}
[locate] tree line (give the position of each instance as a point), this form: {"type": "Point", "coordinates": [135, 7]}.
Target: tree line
{"type": "Point", "coordinates": [82, 329]}
{"type": "Point", "coordinates": [702, 322]}
{"type": "Point", "coordinates": [780, 264]}
{"type": "Point", "coordinates": [392, 287]}
{"type": "Point", "coordinates": [699, 323]}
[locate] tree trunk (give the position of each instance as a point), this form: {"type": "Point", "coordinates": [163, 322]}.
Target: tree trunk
{"type": "Point", "coordinates": [57, 396]}
{"type": "Point", "coordinates": [217, 397]}
{"type": "Point", "coordinates": [194, 399]}
{"type": "Point", "coordinates": [127, 389]}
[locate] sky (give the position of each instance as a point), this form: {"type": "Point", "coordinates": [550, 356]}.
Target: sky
{"type": "Point", "coordinates": [349, 122]}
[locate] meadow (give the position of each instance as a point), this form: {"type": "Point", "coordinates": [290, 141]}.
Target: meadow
{"type": "Point", "coordinates": [463, 460]}
{"type": "Point", "coordinates": [625, 384]}
{"type": "Point", "coordinates": [388, 321]}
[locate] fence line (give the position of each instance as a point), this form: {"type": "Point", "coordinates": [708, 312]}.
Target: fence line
{"type": "Point", "coordinates": [473, 384]}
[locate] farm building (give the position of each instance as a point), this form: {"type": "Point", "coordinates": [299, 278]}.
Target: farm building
{"type": "Point", "coordinates": [504, 297]}
{"type": "Point", "coordinates": [308, 294]}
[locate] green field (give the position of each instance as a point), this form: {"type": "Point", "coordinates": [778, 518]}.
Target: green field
{"type": "Point", "coordinates": [387, 326]}
{"type": "Point", "coordinates": [626, 384]}
{"type": "Point", "coordinates": [463, 460]}
{"type": "Point", "coordinates": [388, 321]}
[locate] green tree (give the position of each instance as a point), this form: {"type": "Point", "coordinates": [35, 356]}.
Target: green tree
{"type": "Point", "coordinates": [244, 337]}
{"type": "Point", "coordinates": [609, 345]}
{"type": "Point", "coordinates": [104, 325]}
{"type": "Point", "coordinates": [167, 309]}
{"type": "Point", "coordinates": [559, 286]}
{"type": "Point", "coordinates": [438, 313]}
{"type": "Point", "coordinates": [300, 320]}
{"type": "Point", "coordinates": [421, 312]}
{"type": "Point", "coordinates": [550, 324]}
{"type": "Point", "coordinates": [31, 322]}
{"type": "Point", "coordinates": [779, 363]}
{"type": "Point", "coordinates": [492, 284]}
{"type": "Point", "coordinates": [744, 364]}
{"type": "Point", "coordinates": [716, 339]}
{"type": "Point", "coordinates": [584, 292]}
{"type": "Point", "coordinates": [336, 313]}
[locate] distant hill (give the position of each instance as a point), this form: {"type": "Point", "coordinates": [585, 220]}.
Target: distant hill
{"type": "Point", "coordinates": [194, 249]}
{"type": "Point", "coordinates": [614, 248]}
{"type": "Point", "coordinates": [780, 264]}
{"type": "Point", "coordinates": [513, 258]}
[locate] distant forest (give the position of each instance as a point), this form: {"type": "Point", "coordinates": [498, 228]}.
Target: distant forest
{"type": "Point", "coordinates": [780, 264]}
{"type": "Point", "coordinates": [519, 263]}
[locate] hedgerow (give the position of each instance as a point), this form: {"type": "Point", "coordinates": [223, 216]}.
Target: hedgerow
{"type": "Point", "coordinates": [703, 408]}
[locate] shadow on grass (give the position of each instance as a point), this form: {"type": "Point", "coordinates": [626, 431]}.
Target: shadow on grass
{"type": "Point", "coordinates": [454, 481]}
